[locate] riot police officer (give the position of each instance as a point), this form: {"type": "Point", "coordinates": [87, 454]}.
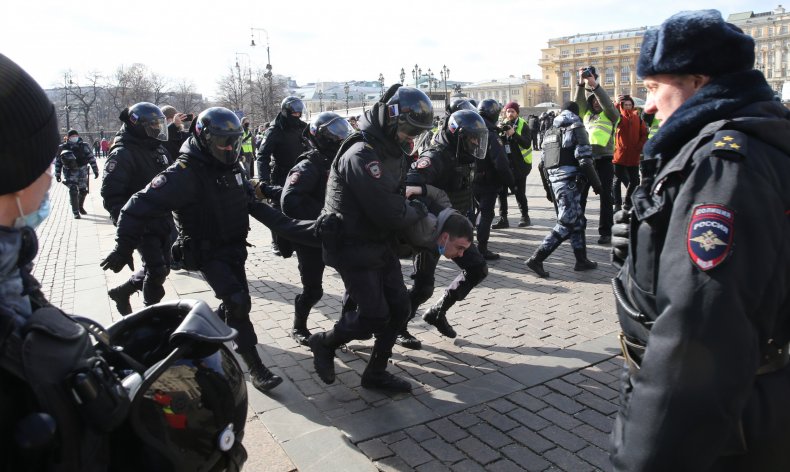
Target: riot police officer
{"type": "Point", "coordinates": [567, 158]}
{"type": "Point", "coordinates": [448, 165]}
{"type": "Point", "coordinates": [136, 157]}
{"type": "Point", "coordinates": [73, 158]}
{"type": "Point", "coordinates": [210, 195]}
{"type": "Point", "coordinates": [365, 188]}
{"type": "Point", "coordinates": [491, 176]}
{"type": "Point", "coordinates": [303, 198]}
{"type": "Point", "coordinates": [703, 297]}
{"type": "Point", "coordinates": [278, 152]}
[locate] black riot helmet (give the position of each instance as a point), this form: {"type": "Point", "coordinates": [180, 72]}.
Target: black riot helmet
{"type": "Point", "coordinates": [218, 131]}
{"type": "Point", "coordinates": [468, 131]}
{"type": "Point", "coordinates": [459, 103]}
{"type": "Point", "coordinates": [145, 120]}
{"type": "Point", "coordinates": [410, 112]}
{"type": "Point", "coordinates": [327, 131]}
{"type": "Point", "coordinates": [490, 109]}
{"type": "Point", "coordinates": [292, 105]}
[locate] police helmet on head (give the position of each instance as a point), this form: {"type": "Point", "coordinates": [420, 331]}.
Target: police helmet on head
{"type": "Point", "coordinates": [327, 131]}
{"type": "Point", "coordinates": [459, 103]}
{"type": "Point", "coordinates": [469, 132]}
{"type": "Point", "coordinates": [490, 109]}
{"type": "Point", "coordinates": [218, 131]}
{"type": "Point", "coordinates": [145, 120]}
{"type": "Point", "coordinates": [409, 111]}
{"type": "Point", "coordinates": [292, 105]}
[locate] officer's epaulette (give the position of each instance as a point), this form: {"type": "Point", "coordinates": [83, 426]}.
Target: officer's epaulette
{"type": "Point", "coordinates": [182, 164]}
{"type": "Point", "coordinates": [730, 144]}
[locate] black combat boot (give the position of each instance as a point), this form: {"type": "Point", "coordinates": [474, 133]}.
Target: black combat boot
{"type": "Point", "coordinates": [501, 223]}
{"type": "Point", "coordinates": [487, 255]}
{"type": "Point", "coordinates": [74, 199]}
{"type": "Point", "coordinates": [323, 346]}
{"type": "Point", "coordinates": [82, 203]}
{"type": "Point", "coordinates": [436, 316]}
{"type": "Point", "coordinates": [525, 221]}
{"type": "Point", "coordinates": [377, 377]}
{"type": "Point", "coordinates": [262, 378]}
{"type": "Point", "coordinates": [120, 295]}
{"type": "Point", "coordinates": [405, 338]}
{"type": "Point", "coordinates": [300, 333]}
{"type": "Point", "coordinates": [536, 262]}
{"type": "Point", "coordinates": [582, 263]}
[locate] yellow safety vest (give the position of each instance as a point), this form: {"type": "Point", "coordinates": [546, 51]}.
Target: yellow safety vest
{"type": "Point", "coordinates": [600, 130]}
{"type": "Point", "coordinates": [246, 142]}
{"type": "Point", "coordinates": [653, 128]}
{"type": "Point", "coordinates": [526, 154]}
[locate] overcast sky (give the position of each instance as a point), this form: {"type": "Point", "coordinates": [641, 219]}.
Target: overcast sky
{"type": "Point", "coordinates": [312, 40]}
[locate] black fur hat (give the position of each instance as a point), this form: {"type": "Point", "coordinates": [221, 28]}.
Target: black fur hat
{"type": "Point", "coordinates": [695, 42]}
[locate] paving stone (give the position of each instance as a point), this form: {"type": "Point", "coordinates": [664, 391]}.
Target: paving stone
{"type": "Point", "coordinates": [497, 420]}
{"type": "Point", "coordinates": [559, 418]}
{"type": "Point", "coordinates": [563, 438]}
{"type": "Point", "coordinates": [433, 466]}
{"type": "Point", "coordinates": [478, 450]}
{"type": "Point", "coordinates": [411, 452]}
{"type": "Point", "coordinates": [375, 449]}
{"type": "Point", "coordinates": [420, 433]}
{"type": "Point", "coordinates": [448, 430]}
{"type": "Point", "coordinates": [595, 456]}
{"type": "Point", "coordinates": [524, 457]}
{"type": "Point", "coordinates": [529, 419]}
{"type": "Point", "coordinates": [593, 436]}
{"type": "Point", "coordinates": [595, 419]}
{"type": "Point", "coordinates": [490, 435]}
{"type": "Point", "coordinates": [505, 465]}
{"type": "Point", "coordinates": [567, 461]}
{"type": "Point", "coordinates": [442, 450]}
{"type": "Point", "coordinates": [597, 403]}
{"type": "Point", "coordinates": [468, 466]}
{"type": "Point", "coordinates": [563, 403]}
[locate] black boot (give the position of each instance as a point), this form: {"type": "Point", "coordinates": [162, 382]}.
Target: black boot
{"type": "Point", "coordinates": [262, 378]}
{"type": "Point", "coordinates": [377, 377]}
{"type": "Point", "coordinates": [74, 199]}
{"type": "Point", "coordinates": [487, 255]}
{"type": "Point", "coordinates": [436, 316]}
{"type": "Point", "coordinates": [300, 333]}
{"type": "Point", "coordinates": [323, 346]}
{"type": "Point", "coordinates": [120, 295]}
{"type": "Point", "coordinates": [536, 262]}
{"type": "Point", "coordinates": [405, 338]}
{"type": "Point", "coordinates": [501, 223]}
{"type": "Point", "coordinates": [82, 203]}
{"type": "Point", "coordinates": [525, 221]}
{"type": "Point", "coordinates": [582, 263]}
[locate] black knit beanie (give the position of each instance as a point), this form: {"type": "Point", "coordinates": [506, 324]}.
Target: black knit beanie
{"type": "Point", "coordinates": [28, 128]}
{"type": "Point", "coordinates": [695, 42]}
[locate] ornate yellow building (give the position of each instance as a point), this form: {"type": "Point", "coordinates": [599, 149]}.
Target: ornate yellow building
{"type": "Point", "coordinates": [771, 36]}
{"type": "Point", "coordinates": [524, 90]}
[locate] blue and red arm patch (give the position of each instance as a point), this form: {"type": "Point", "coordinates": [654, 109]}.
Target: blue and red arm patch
{"type": "Point", "coordinates": [711, 234]}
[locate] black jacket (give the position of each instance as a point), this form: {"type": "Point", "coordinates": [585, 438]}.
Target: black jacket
{"type": "Point", "coordinates": [517, 142]}
{"type": "Point", "coordinates": [131, 165]}
{"type": "Point", "coordinates": [709, 271]}
{"type": "Point", "coordinates": [175, 139]}
{"type": "Point", "coordinates": [305, 187]}
{"type": "Point", "coordinates": [493, 172]}
{"type": "Point", "coordinates": [282, 145]}
{"type": "Point", "coordinates": [366, 184]}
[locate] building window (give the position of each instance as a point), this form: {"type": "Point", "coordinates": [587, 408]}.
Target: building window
{"type": "Point", "coordinates": [593, 50]}
{"type": "Point", "coordinates": [608, 49]}
{"type": "Point", "coordinates": [783, 30]}
{"type": "Point", "coordinates": [609, 76]}
{"type": "Point", "coordinates": [625, 47]}
{"type": "Point", "coordinates": [566, 79]}
{"type": "Point", "coordinates": [609, 62]}
{"type": "Point", "coordinates": [625, 74]}
{"type": "Point", "coordinates": [565, 53]}
{"type": "Point", "coordinates": [566, 96]}
{"type": "Point", "coordinates": [515, 92]}
{"type": "Point", "coordinates": [579, 51]}
{"type": "Point", "coordinates": [638, 46]}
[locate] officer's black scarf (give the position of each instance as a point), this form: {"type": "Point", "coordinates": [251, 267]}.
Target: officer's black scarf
{"type": "Point", "coordinates": [717, 100]}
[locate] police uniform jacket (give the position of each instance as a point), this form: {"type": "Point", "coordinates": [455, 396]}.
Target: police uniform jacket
{"type": "Point", "coordinates": [493, 172]}
{"type": "Point", "coordinates": [706, 288]}
{"type": "Point", "coordinates": [305, 187]}
{"type": "Point", "coordinates": [366, 184]}
{"type": "Point", "coordinates": [132, 163]}
{"type": "Point", "coordinates": [282, 145]}
{"type": "Point", "coordinates": [81, 150]}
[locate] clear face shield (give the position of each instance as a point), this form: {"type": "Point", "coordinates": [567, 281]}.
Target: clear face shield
{"type": "Point", "coordinates": [156, 129]}
{"type": "Point", "coordinates": [474, 143]}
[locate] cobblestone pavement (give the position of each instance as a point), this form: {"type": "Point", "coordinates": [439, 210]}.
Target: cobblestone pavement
{"type": "Point", "coordinates": [530, 383]}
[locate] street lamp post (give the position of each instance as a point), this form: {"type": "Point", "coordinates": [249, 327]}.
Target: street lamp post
{"type": "Point", "coordinates": [66, 82]}
{"type": "Point", "coordinates": [416, 73]}
{"type": "Point", "coordinates": [321, 99]}
{"type": "Point", "coordinates": [430, 81]}
{"type": "Point", "coordinates": [402, 75]}
{"type": "Point", "coordinates": [268, 73]}
{"type": "Point", "coordinates": [445, 74]}
{"type": "Point", "coordinates": [362, 101]}
{"type": "Point", "coordinates": [381, 82]}
{"type": "Point", "coordinates": [249, 81]}
{"type": "Point", "coordinates": [345, 89]}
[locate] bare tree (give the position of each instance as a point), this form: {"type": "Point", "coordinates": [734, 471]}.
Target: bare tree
{"type": "Point", "coordinates": [159, 88]}
{"type": "Point", "coordinates": [232, 90]}
{"type": "Point", "coordinates": [186, 97]}
{"type": "Point", "coordinates": [86, 96]}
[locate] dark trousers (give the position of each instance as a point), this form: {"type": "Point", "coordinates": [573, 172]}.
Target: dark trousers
{"type": "Point", "coordinates": [311, 272]}
{"type": "Point", "coordinates": [224, 271]}
{"type": "Point", "coordinates": [154, 250]}
{"type": "Point", "coordinates": [628, 176]}
{"type": "Point", "coordinates": [485, 216]}
{"type": "Point", "coordinates": [473, 270]}
{"type": "Point", "coordinates": [535, 137]}
{"type": "Point", "coordinates": [605, 171]}
{"type": "Point", "coordinates": [382, 304]}
{"type": "Point", "coordinates": [520, 192]}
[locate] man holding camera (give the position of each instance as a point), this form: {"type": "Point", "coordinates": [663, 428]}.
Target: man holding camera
{"type": "Point", "coordinates": [600, 119]}
{"type": "Point", "coordinates": [516, 137]}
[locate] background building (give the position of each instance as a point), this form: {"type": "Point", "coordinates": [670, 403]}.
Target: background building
{"type": "Point", "coordinates": [526, 91]}
{"type": "Point", "coordinates": [771, 36]}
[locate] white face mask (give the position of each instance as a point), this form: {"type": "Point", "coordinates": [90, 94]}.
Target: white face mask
{"type": "Point", "coordinates": [74, 139]}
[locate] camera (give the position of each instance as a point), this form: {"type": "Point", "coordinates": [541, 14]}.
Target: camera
{"type": "Point", "coordinates": [589, 71]}
{"type": "Point", "coordinates": [189, 117]}
{"type": "Point", "coordinates": [504, 128]}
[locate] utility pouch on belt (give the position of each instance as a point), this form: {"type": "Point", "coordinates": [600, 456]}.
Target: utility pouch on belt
{"type": "Point", "coordinates": [186, 252]}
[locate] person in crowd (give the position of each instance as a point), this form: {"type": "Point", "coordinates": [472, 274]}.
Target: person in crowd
{"type": "Point", "coordinates": [73, 158]}
{"type": "Point", "coordinates": [518, 147]}
{"type": "Point", "coordinates": [176, 134]}
{"type": "Point", "coordinates": [630, 137]}
{"type": "Point", "coordinates": [247, 148]}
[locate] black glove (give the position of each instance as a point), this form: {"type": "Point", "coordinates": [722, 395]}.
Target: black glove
{"type": "Point", "coordinates": [549, 196]}
{"type": "Point", "coordinates": [419, 206]}
{"type": "Point", "coordinates": [95, 174]}
{"type": "Point", "coordinates": [620, 236]}
{"type": "Point", "coordinates": [327, 228]}
{"type": "Point", "coordinates": [119, 257]}
{"type": "Point", "coordinates": [57, 177]}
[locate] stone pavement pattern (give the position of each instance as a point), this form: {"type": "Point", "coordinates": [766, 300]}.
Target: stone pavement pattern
{"type": "Point", "coordinates": [530, 383]}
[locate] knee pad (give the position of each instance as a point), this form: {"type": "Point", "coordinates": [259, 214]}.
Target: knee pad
{"type": "Point", "coordinates": [157, 274]}
{"type": "Point", "coordinates": [237, 305]}
{"type": "Point", "coordinates": [311, 296]}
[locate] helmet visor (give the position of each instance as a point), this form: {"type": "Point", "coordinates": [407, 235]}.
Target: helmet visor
{"type": "Point", "coordinates": [475, 143]}
{"type": "Point", "coordinates": [409, 129]}
{"type": "Point", "coordinates": [225, 148]}
{"type": "Point", "coordinates": [295, 106]}
{"type": "Point", "coordinates": [156, 129]}
{"type": "Point", "coordinates": [337, 129]}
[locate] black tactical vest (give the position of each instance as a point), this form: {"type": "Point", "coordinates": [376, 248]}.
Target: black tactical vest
{"type": "Point", "coordinates": [554, 155]}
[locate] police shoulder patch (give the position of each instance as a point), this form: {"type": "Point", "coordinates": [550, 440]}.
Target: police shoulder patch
{"type": "Point", "coordinates": [110, 166]}
{"type": "Point", "coordinates": [158, 181]}
{"type": "Point", "coordinates": [374, 169]}
{"type": "Point", "coordinates": [710, 235]}
{"type": "Point", "coordinates": [730, 143]}
{"type": "Point", "coordinates": [294, 178]}
{"type": "Point", "coordinates": [423, 163]}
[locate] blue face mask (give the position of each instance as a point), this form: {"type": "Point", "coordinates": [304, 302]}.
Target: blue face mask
{"type": "Point", "coordinates": [441, 250]}
{"type": "Point", "coordinates": [33, 219]}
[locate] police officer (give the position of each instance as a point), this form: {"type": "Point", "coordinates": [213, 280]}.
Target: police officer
{"type": "Point", "coordinates": [247, 147]}
{"type": "Point", "coordinates": [136, 157]}
{"type": "Point", "coordinates": [303, 198]}
{"type": "Point", "coordinates": [427, 138]}
{"type": "Point", "coordinates": [518, 147]}
{"type": "Point", "coordinates": [492, 175]}
{"type": "Point", "coordinates": [73, 158]}
{"type": "Point", "coordinates": [366, 187]}
{"type": "Point", "coordinates": [703, 296]}
{"type": "Point", "coordinates": [210, 196]}
{"type": "Point", "coordinates": [567, 159]}
{"type": "Point", "coordinates": [600, 119]}
{"type": "Point", "coordinates": [278, 152]}
{"type": "Point", "coordinates": [448, 165]}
